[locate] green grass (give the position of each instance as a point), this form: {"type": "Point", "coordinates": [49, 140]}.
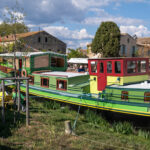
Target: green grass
{"type": "Point", "coordinates": [46, 130]}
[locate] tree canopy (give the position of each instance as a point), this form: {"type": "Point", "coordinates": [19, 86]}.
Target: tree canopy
{"type": "Point", "coordinates": [75, 53]}
{"type": "Point", "coordinates": [7, 28]}
{"type": "Point", "coordinates": [107, 40]}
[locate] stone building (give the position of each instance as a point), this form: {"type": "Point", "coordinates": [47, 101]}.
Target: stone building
{"type": "Point", "coordinates": [127, 47]}
{"type": "Point", "coordinates": [143, 45]}
{"type": "Point", "coordinates": [36, 41]}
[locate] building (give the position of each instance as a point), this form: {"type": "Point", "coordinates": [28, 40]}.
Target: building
{"type": "Point", "coordinates": [36, 41]}
{"type": "Point", "coordinates": [127, 47]}
{"type": "Point", "coordinates": [143, 45]}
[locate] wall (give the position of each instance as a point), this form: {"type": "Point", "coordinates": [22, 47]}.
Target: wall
{"type": "Point", "coordinates": [52, 44]}
{"type": "Point", "coordinates": [129, 42]}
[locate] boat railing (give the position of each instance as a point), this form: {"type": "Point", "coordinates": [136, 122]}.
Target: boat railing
{"type": "Point", "coordinates": [111, 97]}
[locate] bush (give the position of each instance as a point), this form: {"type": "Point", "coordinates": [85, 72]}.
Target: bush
{"type": "Point", "coordinates": [123, 127]}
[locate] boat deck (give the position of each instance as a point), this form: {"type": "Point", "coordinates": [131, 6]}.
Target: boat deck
{"type": "Point", "coordinates": [63, 74]}
{"type": "Point", "coordinates": [142, 85]}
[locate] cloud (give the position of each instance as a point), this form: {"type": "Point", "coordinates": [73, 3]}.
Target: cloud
{"type": "Point", "coordinates": [83, 4]}
{"type": "Point", "coordinates": [75, 38]}
{"type": "Point", "coordinates": [140, 30]}
{"type": "Point", "coordinates": [102, 16]}
{"type": "Point", "coordinates": [47, 11]}
{"type": "Point", "coordinates": [65, 33]}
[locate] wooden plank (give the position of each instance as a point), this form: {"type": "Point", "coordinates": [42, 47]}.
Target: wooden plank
{"type": "Point", "coordinates": [3, 105]}
{"type": "Point", "coordinates": [27, 102]}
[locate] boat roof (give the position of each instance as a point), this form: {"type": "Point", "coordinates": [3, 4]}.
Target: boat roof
{"type": "Point", "coordinates": [28, 54]}
{"type": "Point", "coordinates": [63, 74]}
{"type": "Point", "coordinates": [142, 85]}
{"type": "Point", "coordinates": [114, 58]}
{"type": "Point", "coordinates": [78, 60]}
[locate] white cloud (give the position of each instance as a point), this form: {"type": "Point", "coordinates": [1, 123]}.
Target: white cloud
{"type": "Point", "coordinates": [73, 38]}
{"type": "Point", "coordinates": [66, 33]}
{"type": "Point", "coordinates": [83, 4]}
{"type": "Point", "coordinates": [140, 30]}
{"type": "Point", "coordinates": [102, 16]}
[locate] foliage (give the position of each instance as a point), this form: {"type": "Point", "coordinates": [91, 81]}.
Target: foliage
{"type": "Point", "coordinates": [51, 105]}
{"type": "Point", "coordinates": [95, 120]}
{"type": "Point", "coordinates": [144, 134]}
{"type": "Point", "coordinates": [8, 28]}
{"type": "Point", "coordinates": [107, 40]}
{"type": "Point", "coordinates": [75, 53]}
{"type": "Point", "coordinates": [123, 127]}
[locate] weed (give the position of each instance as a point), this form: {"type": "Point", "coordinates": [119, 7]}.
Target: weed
{"type": "Point", "coordinates": [123, 127]}
{"type": "Point", "coordinates": [144, 134]}
{"type": "Point", "coordinates": [51, 105]}
{"type": "Point", "coordinates": [65, 109]}
{"type": "Point", "coordinates": [95, 119]}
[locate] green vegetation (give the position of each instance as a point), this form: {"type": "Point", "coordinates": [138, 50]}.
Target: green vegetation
{"type": "Point", "coordinates": [107, 40]}
{"type": "Point", "coordinates": [46, 130]}
{"type": "Point", "coordinates": [76, 53]}
{"type": "Point", "coordinates": [8, 28]}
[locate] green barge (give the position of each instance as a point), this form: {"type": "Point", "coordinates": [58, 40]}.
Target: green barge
{"type": "Point", "coordinates": [113, 84]}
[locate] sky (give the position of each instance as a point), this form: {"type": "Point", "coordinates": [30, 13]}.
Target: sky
{"type": "Point", "coordinates": [75, 22]}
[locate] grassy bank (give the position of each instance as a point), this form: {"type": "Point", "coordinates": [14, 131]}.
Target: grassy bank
{"type": "Point", "coordinates": [46, 131]}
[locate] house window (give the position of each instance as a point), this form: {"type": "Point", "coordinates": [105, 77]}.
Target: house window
{"type": "Point", "coordinates": [45, 82]}
{"type": "Point", "coordinates": [124, 95]}
{"type": "Point", "coordinates": [39, 39]}
{"type": "Point", "coordinates": [117, 67]}
{"type": "Point", "coordinates": [148, 52]}
{"type": "Point", "coordinates": [62, 85]}
{"type": "Point", "coordinates": [133, 51]}
{"type": "Point", "coordinates": [128, 40]}
{"type": "Point", "coordinates": [31, 80]}
{"type": "Point", "coordinates": [46, 39]}
{"type": "Point", "coordinates": [94, 66]}
{"type": "Point", "coordinates": [147, 96]}
{"type": "Point", "coordinates": [123, 52]}
{"type": "Point", "coordinates": [109, 67]}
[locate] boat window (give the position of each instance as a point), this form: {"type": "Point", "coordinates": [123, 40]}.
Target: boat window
{"type": "Point", "coordinates": [57, 62]}
{"type": "Point", "coordinates": [109, 67]}
{"type": "Point", "coordinates": [147, 96]}
{"type": "Point", "coordinates": [62, 85]}
{"type": "Point", "coordinates": [94, 66]}
{"type": "Point", "coordinates": [117, 67]}
{"type": "Point", "coordinates": [143, 66]}
{"type": "Point", "coordinates": [31, 80]}
{"type": "Point", "coordinates": [131, 66]}
{"type": "Point", "coordinates": [101, 67]}
{"type": "Point", "coordinates": [45, 82]}
{"type": "Point", "coordinates": [124, 95]}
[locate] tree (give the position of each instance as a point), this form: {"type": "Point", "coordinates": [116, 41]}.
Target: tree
{"type": "Point", "coordinates": [107, 40]}
{"type": "Point", "coordinates": [13, 18]}
{"type": "Point", "coordinates": [7, 29]}
{"type": "Point", "coordinates": [76, 53]}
